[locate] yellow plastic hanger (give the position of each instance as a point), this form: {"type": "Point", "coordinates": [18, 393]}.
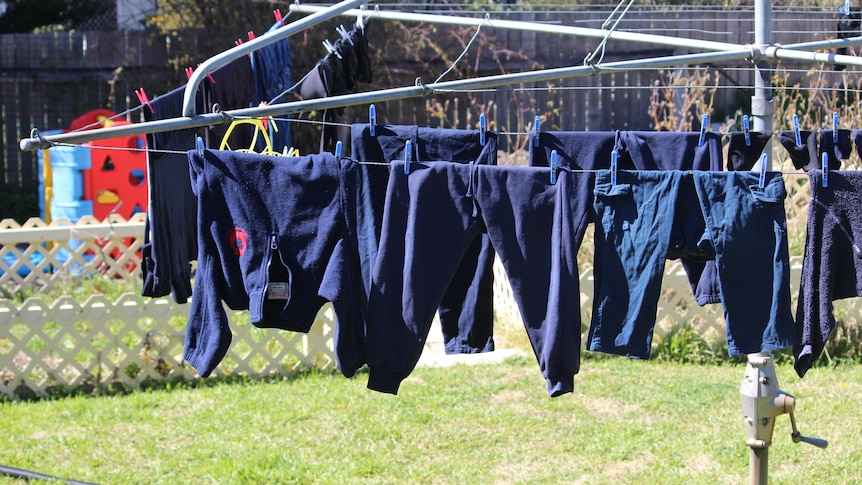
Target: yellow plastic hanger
{"type": "Point", "coordinates": [259, 130]}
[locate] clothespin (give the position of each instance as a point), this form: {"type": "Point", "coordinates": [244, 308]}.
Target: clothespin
{"type": "Point", "coordinates": [538, 124]}
{"type": "Point", "coordinates": [345, 35]}
{"type": "Point", "coordinates": [251, 36]}
{"type": "Point", "coordinates": [835, 127]}
{"type": "Point", "coordinates": [360, 19]}
{"type": "Point", "coordinates": [845, 9]}
{"type": "Point", "coordinates": [189, 72]}
{"type": "Point", "coordinates": [825, 167]}
{"type": "Point", "coordinates": [209, 76]}
{"type": "Point", "coordinates": [331, 48]}
{"type": "Point", "coordinates": [704, 124]}
{"type": "Point", "coordinates": [200, 143]}
{"type": "Point", "coordinates": [338, 149]}
{"type": "Point", "coordinates": [408, 154]}
{"type": "Point", "coordinates": [796, 130]}
{"type": "Point", "coordinates": [746, 129]}
{"type": "Point", "coordinates": [278, 17]}
{"type": "Point", "coordinates": [553, 167]}
{"type": "Point", "coordinates": [142, 97]}
{"type": "Point", "coordinates": [614, 156]}
{"type": "Point", "coordinates": [764, 159]}
{"type": "Point", "coordinates": [483, 128]}
{"type": "Point", "coordinates": [372, 116]}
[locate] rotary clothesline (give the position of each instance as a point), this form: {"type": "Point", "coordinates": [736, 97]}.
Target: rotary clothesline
{"type": "Point", "coordinates": [736, 52]}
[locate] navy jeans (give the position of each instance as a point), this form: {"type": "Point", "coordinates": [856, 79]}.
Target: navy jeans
{"type": "Point", "coordinates": [639, 150]}
{"type": "Point", "coordinates": [435, 213]}
{"type": "Point", "coordinates": [467, 307]}
{"type": "Point", "coordinates": [641, 221]}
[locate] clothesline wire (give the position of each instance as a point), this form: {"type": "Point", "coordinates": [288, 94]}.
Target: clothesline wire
{"type": "Point", "coordinates": [367, 162]}
{"type": "Point", "coordinates": [487, 21]}
{"type": "Point", "coordinates": [600, 49]}
{"type": "Point", "coordinates": [183, 152]}
{"type": "Point", "coordinates": [388, 164]}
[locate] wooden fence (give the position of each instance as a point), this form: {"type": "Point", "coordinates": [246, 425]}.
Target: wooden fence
{"type": "Point", "coordinates": [47, 80]}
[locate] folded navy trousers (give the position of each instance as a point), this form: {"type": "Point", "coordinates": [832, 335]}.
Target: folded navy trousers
{"type": "Point", "coordinates": [467, 307]}
{"type": "Point", "coordinates": [433, 215]}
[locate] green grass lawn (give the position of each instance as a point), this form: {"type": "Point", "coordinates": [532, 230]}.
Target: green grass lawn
{"type": "Point", "coordinates": [627, 422]}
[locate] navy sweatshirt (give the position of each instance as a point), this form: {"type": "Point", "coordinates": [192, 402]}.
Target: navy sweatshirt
{"type": "Point", "coordinates": [275, 237]}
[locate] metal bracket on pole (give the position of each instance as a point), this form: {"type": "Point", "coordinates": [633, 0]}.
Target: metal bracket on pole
{"type": "Point", "coordinates": [762, 403]}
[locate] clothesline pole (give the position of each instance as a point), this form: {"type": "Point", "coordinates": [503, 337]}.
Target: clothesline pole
{"type": "Point", "coordinates": [762, 109]}
{"type": "Point", "coordinates": [245, 48]}
{"type": "Point", "coordinates": [393, 94]}
{"type": "Point", "coordinates": [763, 103]}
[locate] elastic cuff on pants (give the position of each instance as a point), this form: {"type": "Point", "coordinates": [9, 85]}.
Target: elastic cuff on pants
{"type": "Point", "coordinates": [382, 382]}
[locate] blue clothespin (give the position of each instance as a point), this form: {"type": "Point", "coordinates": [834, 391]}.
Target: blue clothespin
{"type": "Point", "coordinates": [200, 143]}
{"type": "Point", "coordinates": [338, 149]}
{"type": "Point", "coordinates": [796, 130]}
{"type": "Point", "coordinates": [538, 124]}
{"type": "Point", "coordinates": [764, 159]}
{"type": "Point", "coordinates": [372, 116]}
{"type": "Point", "coordinates": [746, 129]}
{"type": "Point", "coordinates": [553, 167]}
{"type": "Point", "coordinates": [704, 124]}
{"type": "Point", "coordinates": [614, 167]}
{"type": "Point", "coordinates": [835, 127]}
{"type": "Point", "coordinates": [825, 168]}
{"type": "Point", "coordinates": [845, 9]}
{"type": "Point", "coordinates": [408, 155]}
{"type": "Point", "coordinates": [483, 128]}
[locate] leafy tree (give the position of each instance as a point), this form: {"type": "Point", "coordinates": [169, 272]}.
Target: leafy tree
{"type": "Point", "coordinates": [221, 21]}
{"type": "Point", "coordinates": [23, 16]}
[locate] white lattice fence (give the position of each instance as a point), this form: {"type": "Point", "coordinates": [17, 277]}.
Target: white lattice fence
{"type": "Point", "coordinates": [65, 344]}
{"type": "Point", "coordinates": [99, 343]}
{"type": "Point", "coordinates": [39, 256]}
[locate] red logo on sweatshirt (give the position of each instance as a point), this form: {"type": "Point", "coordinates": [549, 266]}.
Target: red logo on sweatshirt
{"type": "Point", "coordinates": [238, 240]}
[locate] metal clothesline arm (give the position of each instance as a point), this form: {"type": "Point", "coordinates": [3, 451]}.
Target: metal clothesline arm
{"type": "Point", "coordinates": [34, 143]}
{"type": "Point", "coordinates": [237, 52]}
{"type": "Point", "coordinates": [538, 27]}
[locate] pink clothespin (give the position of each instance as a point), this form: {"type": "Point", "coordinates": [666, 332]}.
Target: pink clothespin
{"type": "Point", "coordinates": [250, 35]}
{"type": "Point", "coordinates": [264, 121]}
{"type": "Point", "coordinates": [239, 42]}
{"type": "Point", "coordinates": [189, 72]}
{"type": "Point", "coordinates": [142, 97]}
{"type": "Point", "coordinates": [278, 17]}
{"type": "Point", "coordinates": [209, 76]}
